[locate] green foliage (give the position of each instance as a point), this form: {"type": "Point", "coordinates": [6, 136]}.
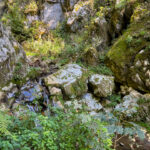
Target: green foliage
{"type": "Point", "coordinates": [4, 121]}
{"type": "Point", "coordinates": [117, 125]}
{"type": "Point", "coordinates": [15, 19]}
{"type": "Point", "coordinates": [121, 4]}
{"type": "Point", "coordinates": [144, 125]}
{"type": "Point", "coordinates": [114, 99]}
{"type": "Point", "coordinates": [17, 76]}
{"type": "Point", "coordinates": [33, 72]}
{"type": "Point", "coordinates": [100, 69]}
{"type": "Point", "coordinates": [44, 47]}
{"type": "Point", "coordinates": [63, 131]}
{"type": "Point", "coordinates": [129, 39]}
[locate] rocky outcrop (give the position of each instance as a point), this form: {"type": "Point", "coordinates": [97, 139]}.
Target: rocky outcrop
{"type": "Point", "coordinates": [10, 54]}
{"type": "Point", "coordinates": [129, 56]}
{"type": "Point", "coordinates": [71, 79]}
{"type": "Point", "coordinates": [52, 14]}
{"type": "Point", "coordinates": [102, 85]}
{"type": "Point", "coordinates": [80, 13]}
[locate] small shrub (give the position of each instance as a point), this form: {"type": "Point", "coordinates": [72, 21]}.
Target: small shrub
{"type": "Point", "coordinates": [114, 99]}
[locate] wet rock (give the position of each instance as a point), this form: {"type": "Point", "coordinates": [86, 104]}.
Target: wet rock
{"type": "Point", "coordinates": [10, 54]}
{"type": "Point", "coordinates": [52, 14]}
{"type": "Point", "coordinates": [71, 79]}
{"type": "Point", "coordinates": [102, 85]}
{"type": "Point", "coordinates": [31, 91]}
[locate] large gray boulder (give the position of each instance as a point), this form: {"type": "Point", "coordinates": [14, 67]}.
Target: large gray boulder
{"type": "Point", "coordinates": [52, 14]}
{"type": "Point", "coordinates": [10, 54]}
{"type": "Point", "coordinates": [102, 85]}
{"type": "Point", "coordinates": [71, 79]}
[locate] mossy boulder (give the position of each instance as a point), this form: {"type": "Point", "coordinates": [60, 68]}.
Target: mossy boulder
{"type": "Point", "coordinates": [129, 57]}
{"type": "Point", "coordinates": [71, 79]}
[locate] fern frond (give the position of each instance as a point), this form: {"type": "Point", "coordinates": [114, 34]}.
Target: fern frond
{"type": "Point", "coordinates": [4, 122]}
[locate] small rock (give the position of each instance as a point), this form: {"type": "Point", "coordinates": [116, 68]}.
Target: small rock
{"type": "Point", "coordinates": [55, 91]}
{"type": "Point", "coordinates": [91, 102]}
{"type": "Point", "coordinates": [102, 85]}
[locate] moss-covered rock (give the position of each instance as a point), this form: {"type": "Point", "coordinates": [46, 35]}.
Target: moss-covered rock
{"type": "Point", "coordinates": [71, 79]}
{"type": "Point", "coordinates": [129, 57]}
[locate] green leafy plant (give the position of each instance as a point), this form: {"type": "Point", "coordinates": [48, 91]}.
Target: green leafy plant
{"type": "Point", "coordinates": [72, 130]}
{"type": "Point", "coordinates": [114, 100]}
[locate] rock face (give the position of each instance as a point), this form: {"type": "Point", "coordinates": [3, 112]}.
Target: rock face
{"type": "Point", "coordinates": [10, 54]}
{"type": "Point", "coordinates": [102, 85]}
{"type": "Point", "coordinates": [129, 58]}
{"type": "Point", "coordinates": [52, 14]}
{"type": "Point", "coordinates": [71, 79]}
{"type": "Point", "coordinates": [80, 13]}
{"type": "Point", "coordinates": [102, 33]}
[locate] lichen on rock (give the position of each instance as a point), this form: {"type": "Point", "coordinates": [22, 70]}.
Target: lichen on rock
{"type": "Point", "coordinates": [102, 85]}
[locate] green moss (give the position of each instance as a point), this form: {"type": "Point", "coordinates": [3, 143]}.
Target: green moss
{"type": "Point", "coordinates": [126, 49]}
